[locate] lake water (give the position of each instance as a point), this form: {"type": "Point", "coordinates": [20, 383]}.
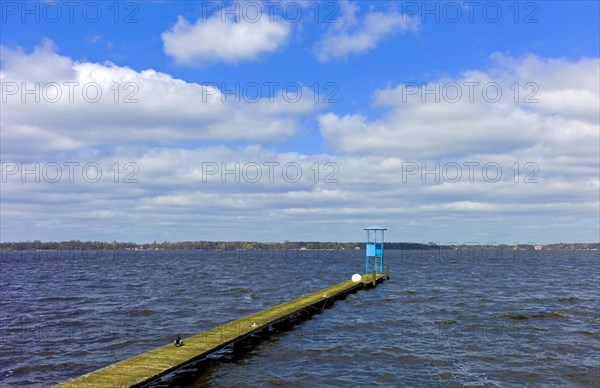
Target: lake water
{"type": "Point", "coordinates": [446, 318]}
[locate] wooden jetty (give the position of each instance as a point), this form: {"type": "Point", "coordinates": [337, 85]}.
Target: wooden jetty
{"type": "Point", "coordinates": [145, 368]}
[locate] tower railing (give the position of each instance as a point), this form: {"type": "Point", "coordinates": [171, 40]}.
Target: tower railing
{"type": "Point", "coordinates": [374, 260]}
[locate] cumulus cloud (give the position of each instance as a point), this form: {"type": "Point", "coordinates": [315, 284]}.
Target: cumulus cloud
{"type": "Point", "coordinates": [544, 153]}
{"type": "Point", "coordinates": [215, 40]}
{"type": "Point", "coordinates": [352, 35]}
{"type": "Point", "coordinates": [548, 107]}
{"type": "Point", "coordinates": [84, 104]}
{"type": "Point", "coordinates": [176, 197]}
{"type": "Point", "coordinates": [42, 65]}
{"type": "Point", "coordinates": [398, 169]}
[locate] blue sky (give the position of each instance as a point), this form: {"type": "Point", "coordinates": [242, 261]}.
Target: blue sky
{"type": "Point", "coordinates": [386, 122]}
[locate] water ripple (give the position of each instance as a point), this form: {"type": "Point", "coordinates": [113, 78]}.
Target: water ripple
{"type": "Point", "coordinates": [440, 321]}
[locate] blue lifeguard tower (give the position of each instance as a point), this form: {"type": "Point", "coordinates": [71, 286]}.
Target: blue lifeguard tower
{"type": "Point", "coordinates": [374, 259]}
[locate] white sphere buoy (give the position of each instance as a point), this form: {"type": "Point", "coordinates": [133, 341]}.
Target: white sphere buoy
{"type": "Point", "coordinates": [356, 278]}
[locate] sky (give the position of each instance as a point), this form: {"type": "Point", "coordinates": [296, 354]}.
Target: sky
{"type": "Point", "coordinates": [455, 122]}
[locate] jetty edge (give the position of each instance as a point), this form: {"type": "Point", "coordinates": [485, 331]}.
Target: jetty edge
{"type": "Point", "coordinates": [145, 368]}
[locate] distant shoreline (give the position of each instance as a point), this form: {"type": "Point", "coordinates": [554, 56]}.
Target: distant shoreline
{"type": "Point", "coordinates": [286, 245]}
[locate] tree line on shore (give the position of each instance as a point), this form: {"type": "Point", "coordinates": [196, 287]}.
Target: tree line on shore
{"type": "Point", "coordinates": [246, 245]}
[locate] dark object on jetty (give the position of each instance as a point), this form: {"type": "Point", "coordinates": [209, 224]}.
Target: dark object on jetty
{"type": "Point", "coordinates": [147, 367]}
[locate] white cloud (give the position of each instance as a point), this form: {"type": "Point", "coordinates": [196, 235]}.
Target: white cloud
{"type": "Point", "coordinates": [172, 201]}
{"type": "Point", "coordinates": [370, 183]}
{"type": "Point", "coordinates": [563, 121]}
{"type": "Point", "coordinates": [163, 110]}
{"type": "Point", "coordinates": [42, 65]}
{"type": "Point", "coordinates": [353, 36]}
{"type": "Point", "coordinates": [215, 40]}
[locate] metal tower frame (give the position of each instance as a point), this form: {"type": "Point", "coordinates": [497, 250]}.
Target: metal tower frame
{"type": "Point", "coordinates": [374, 247]}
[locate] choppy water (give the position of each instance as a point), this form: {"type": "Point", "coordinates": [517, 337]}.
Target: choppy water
{"type": "Point", "coordinates": [491, 318]}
